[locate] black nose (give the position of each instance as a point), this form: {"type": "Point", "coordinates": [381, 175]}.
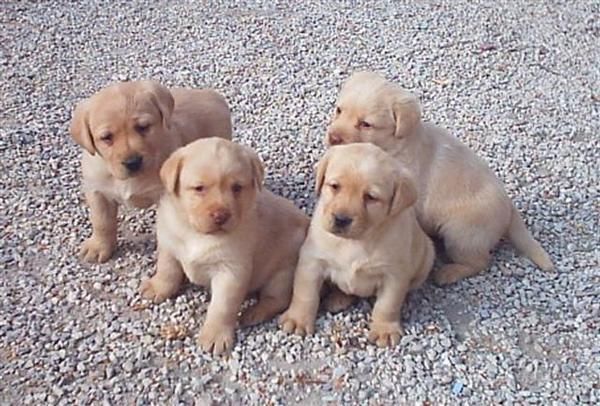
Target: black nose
{"type": "Point", "coordinates": [133, 163]}
{"type": "Point", "coordinates": [341, 221]}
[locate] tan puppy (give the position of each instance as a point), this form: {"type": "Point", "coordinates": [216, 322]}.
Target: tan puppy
{"type": "Point", "coordinates": [460, 198]}
{"type": "Point", "coordinates": [364, 237]}
{"type": "Point", "coordinates": [127, 130]}
{"type": "Point", "coordinates": [220, 229]}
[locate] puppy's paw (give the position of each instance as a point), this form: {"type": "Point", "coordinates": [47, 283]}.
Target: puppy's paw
{"type": "Point", "coordinates": [297, 323]}
{"type": "Point", "coordinates": [216, 339]}
{"type": "Point", "coordinates": [451, 273]}
{"type": "Point", "coordinates": [258, 313]}
{"type": "Point", "coordinates": [157, 290]}
{"type": "Point", "coordinates": [336, 301]}
{"type": "Point", "coordinates": [385, 334]}
{"type": "Point", "coordinates": [96, 250]}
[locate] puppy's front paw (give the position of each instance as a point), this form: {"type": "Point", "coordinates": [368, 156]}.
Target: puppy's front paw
{"type": "Point", "coordinates": [385, 334]}
{"type": "Point", "coordinates": [157, 289]}
{"type": "Point", "coordinates": [296, 323]}
{"type": "Point", "coordinates": [216, 340]}
{"type": "Point", "coordinates": [451, 273]}
{"type": "Point", "coordinates": [96, 249]}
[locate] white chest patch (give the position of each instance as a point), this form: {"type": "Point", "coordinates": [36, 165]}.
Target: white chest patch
{"type": "Point", "coordinates": [138, 193]}
{"type": "Point", "coordinates": [354, 273]}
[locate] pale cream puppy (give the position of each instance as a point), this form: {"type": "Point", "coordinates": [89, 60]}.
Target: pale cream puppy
{"type": "Point", "coordinates": [126, 131]}
{"type": "Point", "coordinates": [364, 237]}
{"type": "Point", "coordinates": [217, 226]}
{"type": "Point", "coordinates": [460, 198]}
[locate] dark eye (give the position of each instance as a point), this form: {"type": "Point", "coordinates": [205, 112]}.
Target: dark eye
{"type": "Point", "coordinates": [236, 188]}
{"type": "Point", "coordinates": [364, 124]}
{"type": "Point", "coordinates": [107, 138]}
{"type": "Point", "coordinates": [338, 110]}
{"type": "Point", "coordinates": [141, 128]}
{"type": "Point", "coordinates": [334, 186]}
{"type": "Point", "coordinates": [370, 198]}
{"type": "Point", "coordinates": [199, 188]}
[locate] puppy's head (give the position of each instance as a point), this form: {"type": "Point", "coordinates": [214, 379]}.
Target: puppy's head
{"type": "Point", "coordinates": [360, 186]}
{"type": "Point", "coordinates": [371, 109]}
{"type": "Point", "coordinates": [125, 124]}
{"type": "Point", "coordinates": [215, 181]}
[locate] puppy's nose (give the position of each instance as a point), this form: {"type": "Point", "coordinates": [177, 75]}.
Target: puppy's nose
{"type": "Point", "coordinates": [341, 221]}
{"type": "Point", "coordinates": [220, 217]}
{"type": "Point", "coordinates": [133, 163]}
{"type": "Point", "coordinates": [335, 139]}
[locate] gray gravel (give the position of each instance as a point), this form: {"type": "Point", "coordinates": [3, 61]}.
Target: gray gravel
{"type": "Point", "coordinates": [518, 81]}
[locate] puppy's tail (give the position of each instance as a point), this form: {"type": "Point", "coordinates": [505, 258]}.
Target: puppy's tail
{"type": "Point", "coordinates": [522, 239]}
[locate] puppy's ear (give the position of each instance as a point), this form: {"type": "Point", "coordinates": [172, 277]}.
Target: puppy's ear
{"type": "Point", "coordinates": [162, 98]}
{"type": "Point", "coordinates": [407, 112]}
{"type": "Point", "coordinates": [258, 170]}
{"type": "Point", "coordinates": [170, 171]}
{"type": "Point", "coordinates": [321, 168]}
{"type": "Point", "coordinates": [80, 129]}
{"type": "Point", "coordinates": [404, 196]}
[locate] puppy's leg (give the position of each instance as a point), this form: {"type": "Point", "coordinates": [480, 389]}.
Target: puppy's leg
{"type": "Point", "coordinates": [468, 261]}
{"type": "Point", "coordinates": [167, 279]}
{"type": "Point", "coordinates": [385, 328]}
{"type": "Point", "coordinates": [300, 317]}
{"type": "Point", "coordinates": [103, 214]}
{"type": "Point", "coordinates": [336, 300]}
{"type": "Point", "coordinates": [273, 298]}
{"type": "Point", "coordinates": [228, 290]}
{"type": "Point", "coordinates": [468, 241]}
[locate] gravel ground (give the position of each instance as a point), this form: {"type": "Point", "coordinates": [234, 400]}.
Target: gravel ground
{"type": "Point", "coordinates": [518, 81]}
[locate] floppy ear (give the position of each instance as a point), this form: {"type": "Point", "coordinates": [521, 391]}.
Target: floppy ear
{"type": "Point", "coordinates": [169, 172]}
{"type": "Point", "coordinates": [404, 196]}
{"type": "Point", "coordinates": [79, 128]}
{"type": "Point", "coordinates": [321, 168]}
{"type": "Point", "coordinates": [407, 112]}
{"type": "Point", "coordinates": [162, 99]}
{"type": "Point", "coordinates": [258, 170]}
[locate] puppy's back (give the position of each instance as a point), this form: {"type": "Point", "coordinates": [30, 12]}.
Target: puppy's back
{"type": "Point", "coordinates": [280, 214]}
{"type": "Point", "coordinates": [200, 113]}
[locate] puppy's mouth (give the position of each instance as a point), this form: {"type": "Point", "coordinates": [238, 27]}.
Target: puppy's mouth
{"type": "Point", "coordinates": [125, 174]}
{"type": "Point", "coordinates": [212, 228]}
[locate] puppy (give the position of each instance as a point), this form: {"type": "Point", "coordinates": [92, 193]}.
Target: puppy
{"type": "Point", "coordinates": [364, 237]}
{"type": "Point", "coordinates": [126, 131]}
{"type": "Point", "coordinates": [217, 226]}
{"type": "Point", "coordinates": [460, 198]}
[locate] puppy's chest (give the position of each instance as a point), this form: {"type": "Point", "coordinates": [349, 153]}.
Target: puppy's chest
{"type": "Point", "coordinates": [201, 258]}
{"type": "Point", "coordinates": [356, 274]}
{"type": "Point", "coordinates": [139, 194]}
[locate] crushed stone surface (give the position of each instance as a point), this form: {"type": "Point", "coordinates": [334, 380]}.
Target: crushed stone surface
{"type": "Point", "coordinates": [517, 81]}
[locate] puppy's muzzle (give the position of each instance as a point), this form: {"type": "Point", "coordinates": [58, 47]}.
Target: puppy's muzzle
{"type": "Point", "coordinates": [133, 163]}
{"type": "Point", "coordinates": [334, 138]}
{"type": "Point", "coordinates": [341, 222]}
{"type": "Point", "coordinates": [220, 217]}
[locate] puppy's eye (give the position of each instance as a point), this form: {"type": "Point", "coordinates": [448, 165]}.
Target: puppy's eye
{"type": "Point", "coordinates": [338, 110]}
{"type": "Point", "coordinates": [199, 188]}
{"type": "Point", "coordinates": [107, 138]}
{"type": "Point", "coordinates": [334, 186]}
{"type": "Point", "coordinates": [370, 198]}
{"type": "Point", "coordinates": [141, 128]}
{"type": "Point", "coordinates": [236, 188]}
{"type": "Point", "coordinates": [364, 124]}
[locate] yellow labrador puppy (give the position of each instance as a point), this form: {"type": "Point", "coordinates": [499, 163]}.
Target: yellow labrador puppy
{"type": "Point", "coordinates": [364, 237]}
{"type": "Point", "coordinates": [217, 226]}
{"type": "Point", "coordinates": [127, 130]}
{"type": "Point", "coordinates": [460, 198]}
